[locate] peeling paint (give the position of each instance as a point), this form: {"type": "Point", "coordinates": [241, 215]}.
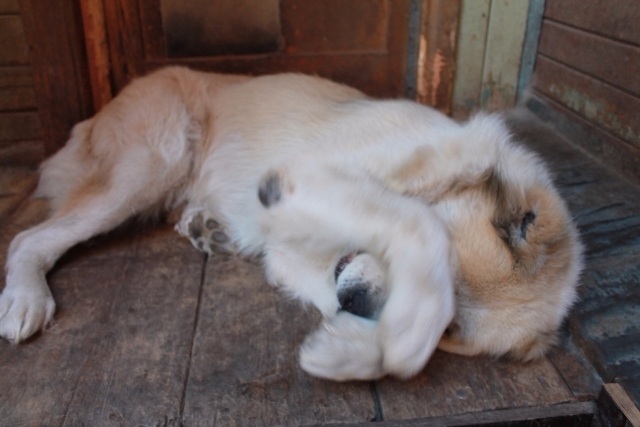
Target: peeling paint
{"type": "Point", "coordinates": [598, 111]}
{"type": "Point", "coordinates": [496, 95]}
{"type": "Point", "coordinates": [438, 64]}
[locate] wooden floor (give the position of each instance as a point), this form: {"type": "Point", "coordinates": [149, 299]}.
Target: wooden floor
{"type": "Point", "coordinates": [149, 331]}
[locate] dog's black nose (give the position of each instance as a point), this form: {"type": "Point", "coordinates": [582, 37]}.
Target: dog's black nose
{"type": "Point", "coordinates": [356, 301]}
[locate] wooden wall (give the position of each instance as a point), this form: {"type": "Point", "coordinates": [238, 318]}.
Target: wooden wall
{"type": "Point", "coordinates": [588, 68]}
{"type": "Point", "coordinates": [489, 57]}
{"type": "Point", "coordinates": [21, 140]}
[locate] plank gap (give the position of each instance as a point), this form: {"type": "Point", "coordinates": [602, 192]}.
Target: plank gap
{"type": "Point", "coordinates": [594, 32]}
{"type": "Point", "coordinates": [589, 75]}
{"type": "Point", "coordinates": [203, 275]}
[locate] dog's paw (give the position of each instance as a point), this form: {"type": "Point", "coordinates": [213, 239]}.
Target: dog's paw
{"type": "Point", "coordinates": [204, 232]}
{"type": "Point", "coordinates": [343, 348]}
{"type": "Point", "coordinates": [24, 312]}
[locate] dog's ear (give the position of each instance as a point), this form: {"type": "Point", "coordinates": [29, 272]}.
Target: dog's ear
{"type": "Point", "coordinates": [457, 158]}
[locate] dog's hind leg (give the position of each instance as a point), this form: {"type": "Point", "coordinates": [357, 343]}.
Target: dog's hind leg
{"type": "Point", "coordinates": [138, 182]}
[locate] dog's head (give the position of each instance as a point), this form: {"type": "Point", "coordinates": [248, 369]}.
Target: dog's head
{"type": "Point", "coordinates": [516, 249]}
{"type": "Point", "coordinates": [518, 259]}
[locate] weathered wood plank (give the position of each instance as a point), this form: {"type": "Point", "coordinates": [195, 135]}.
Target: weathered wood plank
{"type": "Point", "coordinates": [20, 126]}
{"type": "Point", "coordinates": [126, 50]}
{"type": "Point", "coordinates": [376, 73]}
{"type": "Point", "coordinates": [620, 156]}
{"type": "Point", "coordinates": [474, 18]}
{"type": "Point", "coordinates": [225, 27]}
{"type": "Point", "coordinates": [436, 53]}
{"type": "Point", "coordinates": [17, 99]}
{"type": "Point", "coordinates": [9, 7]}
{"type": "Point", "coordinates": [54, 32]}
{"type": "Point", "coordinates": [505, 38]}
{"type": "Point", "coordinates": [574, 414]}
{"type": "Point", "coordinates": [244, 368]}
{"type": "Point", "coordinates": [585, 52]}
{"type": "Point", "coordinates": [604, 105]}
{"type": "Point", "coordinates": [137, 363]}
{"type": "Point", "coordinates": [335, 25]}
{"type": "Point", "coordinates": [15, 76]}
{"type": "Point", "coordinates": [613, 18]}
{"type": "Point", "coordinates": [453, 384]}
{"type": "Point", "coordinates": [95, 38]}
{"type": "Point", "coordinates": [621, 399]}
{"type": "Point", "coordinates": [569, 360]}
{"type": "Point", "coordinates": [14, 49]}
{"type": "Point", "coordinates": [22, 153]}
{"type": "Point", "coordinates": [372, 73]}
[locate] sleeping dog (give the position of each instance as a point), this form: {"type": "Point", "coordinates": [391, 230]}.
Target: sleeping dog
{"type": "Point", "coordinates": [407, 230]}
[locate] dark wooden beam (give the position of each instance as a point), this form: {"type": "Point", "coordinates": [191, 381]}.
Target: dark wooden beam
{"type": "Point", "coordinates": [57, 53]}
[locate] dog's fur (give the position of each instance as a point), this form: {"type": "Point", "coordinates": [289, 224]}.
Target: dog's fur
{"type": "Point", "coordinates": [451, 228]}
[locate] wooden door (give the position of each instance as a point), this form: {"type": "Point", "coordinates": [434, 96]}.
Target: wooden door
{"type": "Point", "coordinates": [363, 43]}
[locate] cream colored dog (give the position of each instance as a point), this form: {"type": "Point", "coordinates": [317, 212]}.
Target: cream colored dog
{"type": "Point", "coordinates": [397, 223]}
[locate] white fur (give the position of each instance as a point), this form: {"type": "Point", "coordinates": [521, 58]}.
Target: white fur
{"type": "Point", "coordinates": [179, 136]}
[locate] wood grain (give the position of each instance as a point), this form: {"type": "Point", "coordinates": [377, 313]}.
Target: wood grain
{"type": "Point", "coordinates": [474, 18]}
{"type": "Point", "coordinates": [57, 55]}
{"type": "Point", "coordinates": [18, 126]}
{"type": "Point", "coordinates": [335, 25]}
{"type": "Point", "coordinates": [377, 65]}
{"type": "Point", "coordinates": [17, 99]}
{"type": "Point", "coordinates": [371, 73]}
{"type": "Point", "coordinates": [15, 76]}
{"type": "Point", "coordinates": [437, 55]}
{"type": "Point", "coordinates": [623, 402]}
{"type": "Point", "coordinates": [585, 52]}
{"type": "Point", "coordinates": [14, 49]}
{"type": "Point", "coordinates": [616, 153]}
{"type": "Point", "coordinates": [9, 7]}
{"type": "Point", "coordinates": [95, 38]}
{"type": "Point", "coordinates": [602, 104]}
{"type": "Point", "coordinates": [244, 368]}
{"type": "Point", "coordinates": [617, 19]}
{"type": "Point", "coordinates": [505, 39]}
{"type": "Point", "coordinates": [453, 384]}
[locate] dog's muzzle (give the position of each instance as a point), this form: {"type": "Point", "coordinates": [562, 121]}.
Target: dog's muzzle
{"type": "Point", "coordinates": [359, 285]}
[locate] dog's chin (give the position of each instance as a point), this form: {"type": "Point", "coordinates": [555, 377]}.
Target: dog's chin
{"type": "Point", "coordinates": [360, 285]}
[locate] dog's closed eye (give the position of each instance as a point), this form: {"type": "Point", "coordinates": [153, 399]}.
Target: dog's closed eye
{"type": "Point", "coordinates": [514, 230]}
{"type": "Point", "coordinates": [527, 220]}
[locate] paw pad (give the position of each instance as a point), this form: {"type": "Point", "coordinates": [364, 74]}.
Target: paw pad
{"type": "Point", "coordinates": [207, 234]}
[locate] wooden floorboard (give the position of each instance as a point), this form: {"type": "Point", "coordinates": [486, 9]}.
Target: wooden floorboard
{"type": "Point", "coordinates": [453, 384]}
{"type": "Point", "coordinates": [244, 369]}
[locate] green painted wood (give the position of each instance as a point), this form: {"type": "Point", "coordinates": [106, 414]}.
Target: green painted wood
{"type": "Point", "coordinates": [474, 18]}
{"type": "Point", "coordinates": [505, 38]}
{"type": "Point", "coordinates": [530, 48]}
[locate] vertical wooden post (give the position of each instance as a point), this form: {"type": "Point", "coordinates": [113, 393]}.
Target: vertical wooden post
{"type": "Point", "coordinates": [437, 52]}
{"type": "Point", "coordinates": [95, 35]}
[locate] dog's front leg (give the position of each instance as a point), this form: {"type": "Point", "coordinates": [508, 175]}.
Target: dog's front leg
{"type": "Point", "coordinates": [322, 210]}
